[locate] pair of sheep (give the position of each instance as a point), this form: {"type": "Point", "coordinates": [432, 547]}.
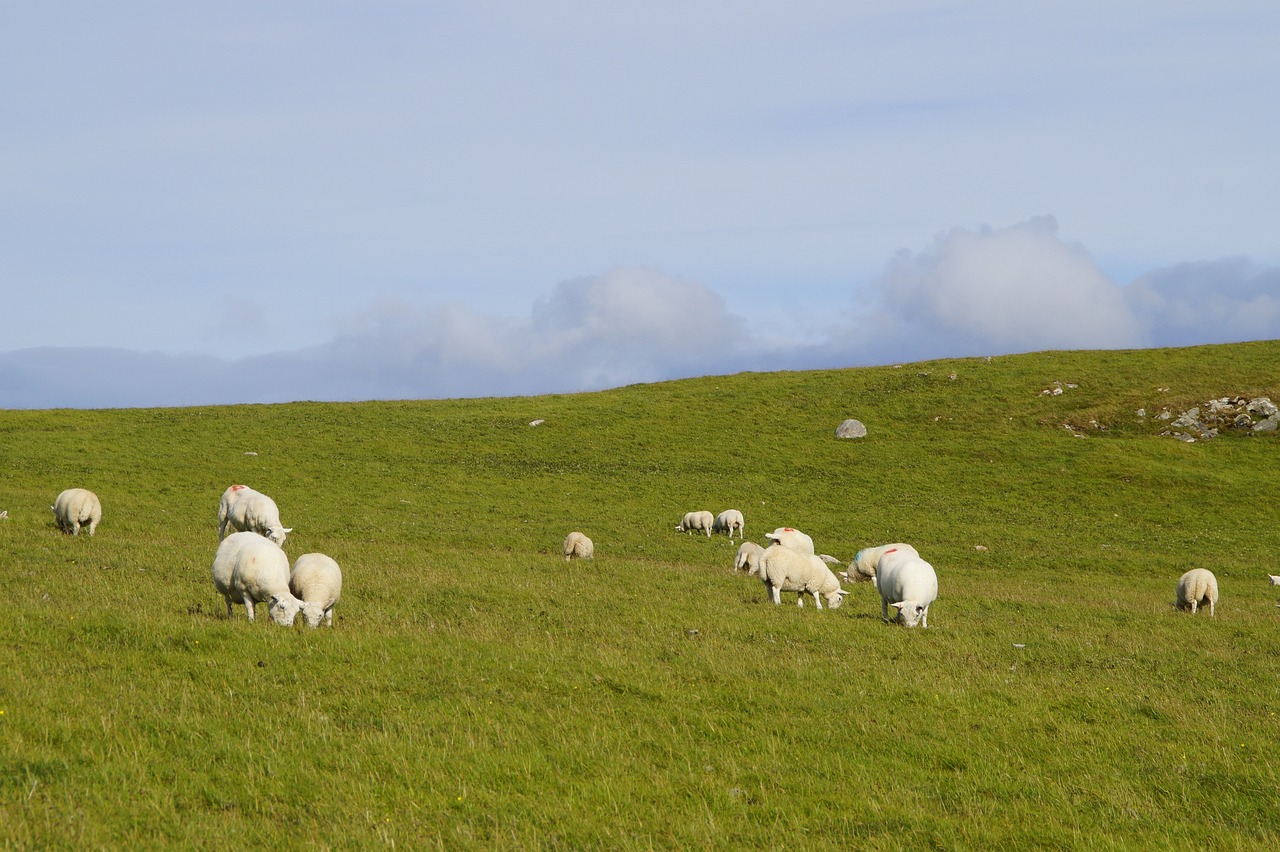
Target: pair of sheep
{"type": "Point", "coordinates": [244, 510]}
{"type": "Point", "coordinates": [249, 568]}
{"type": "Point", "coordinates": [790, 565]}
{"type": "Point", "coordinates": [77, 507]}
{"type": "Point", "coordinates": [727, 521]}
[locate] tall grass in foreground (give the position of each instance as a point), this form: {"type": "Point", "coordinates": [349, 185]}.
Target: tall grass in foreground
{"type": "Point", "coordinates": [477, 691]}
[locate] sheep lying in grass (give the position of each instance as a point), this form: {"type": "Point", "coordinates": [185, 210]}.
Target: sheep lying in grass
{"type": "Point", "coordinates": [577, 544]}
{"type": "Point", "coordinates": [316, 580]}
{"type": "Point", "coordinates": [867, 560]}
{"type": "Point", "coordinates": [1196, 588]}
{"type": "Point", "coordinates": [728, 521]}
{"type": "Point", "coordinates": [792, 539]}
{"type": "Point", "coordinates": [697, 522]}
{"type": "Point", "coordinates": [243, 509]}
{"type": "Point", "coordinates": [908, 584]}
{"type": "Point", "coordinates": [248, 568]}
{"type": "Point", "coordinates": [77, 507]}
{"type": "Point", "coordinates": [748, 558]}
{"type": "Point", "coordinates": [784, 570]}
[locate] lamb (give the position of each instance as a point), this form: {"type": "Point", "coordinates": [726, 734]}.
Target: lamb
{"type": "Point", "coordinates": [748, 558]}
{"type": "Point", "coordinates": [728, 521]}
{"type": "Point", "coordinates": [577, 544]}
{"type": "Point", "coordinates": [784, 570]}
{"type": "Point", "coordinates": [697, 522]}
{"type": "Point", "coordinates": [316, 580]}
{"type": "Point", "coordinates": [908, 584]}
{"type": "Point", "coordinates": [246, 510]}
{"type": "Point", "coordinates": [793, 539]}
{"type": "Point", "coordinates": [866, 561]}
{"type": "Point", "coordinates": [1196, 587]}
{"type": "Point", "coordinates": [77, 507]}
{"type": "Point", "coordinates": [249, 568]}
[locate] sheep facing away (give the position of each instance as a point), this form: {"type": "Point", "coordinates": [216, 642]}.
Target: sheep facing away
{"type": "Point", "coordinates": [784, 570]}
{"type": "Point", "coordinates": [866, 561]}
{"type": "Point", "coordinates": [77, 507]}
{"type": "Point", "coordinates": [728, 521]}
{"type": "Point", "coordinates": [577, 544]}
{"type": "Point", "coordinates": [792, 539]}
{"type": "Point", "coordinates": [748, 558]}
{"type": "Point", "coordinates": [244, 510]}
{"type": "Point", "coordinates": [316, 580]}
{"type": "Point", "coordinates": [908, 584]}
{"type": "Point", "coordinates": [1196, 588]}
{"type": "Point", "coordinates": [249, 568]}
{"type": "Point", "coordinates": [696, 522]}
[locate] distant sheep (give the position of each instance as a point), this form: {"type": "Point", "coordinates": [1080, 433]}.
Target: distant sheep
{"type": "Point", "coordinates": [1196, 588]}
{"type": "Point", "coordinates": [577, 544]}
{"type": "Point", "coordinates": [697, 522]}
{"type": "Point", "coordinates": [748, 558]}
{"type": "Point", "coordinates": [793, 539]}
{"type": "Point", "coordinates": [77, 507]}
{"type": "Point", "coordinates": [316, 580]}
{"type": "Point", "coordinates": [784, 570]}
{"type": "Point", "coordinates": [728, 521]}
{"type": "Point", "coordinates": [865, 561]}
{"type": "Point", "coordinates": [249, 568]}
{"type": "Point", "coordinates": [245, 510]}
{"type": "Point", "coordinates": [908, 584]}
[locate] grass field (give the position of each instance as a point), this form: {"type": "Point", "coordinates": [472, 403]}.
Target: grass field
{"type": "Point", "coordinates": [478, 692]}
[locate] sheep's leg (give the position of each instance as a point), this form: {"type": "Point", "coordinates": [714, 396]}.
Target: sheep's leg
{"type": "Point", "coordinates": [248, 605]}
{"type": "Point", "coordinates": [775, 594]}
{"type": "Point", "coordinates": [816, 601]}
{"type": "Point", "coordinates": [1194, 604]}
{"type": "Point", "coordinates": [924, 617]}
{"type": "Point", "coordinates": [1211, 609]}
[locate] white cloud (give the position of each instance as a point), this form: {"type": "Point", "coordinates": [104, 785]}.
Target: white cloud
{"type": "Point", "coordinates": [1208, 302]}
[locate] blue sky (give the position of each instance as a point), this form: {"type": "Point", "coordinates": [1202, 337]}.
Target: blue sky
{"type": "Point", "coordinates": [258, 202]}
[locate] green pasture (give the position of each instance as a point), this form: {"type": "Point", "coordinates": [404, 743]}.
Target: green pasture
{"type": "Point", "coordinates": [478, 692]}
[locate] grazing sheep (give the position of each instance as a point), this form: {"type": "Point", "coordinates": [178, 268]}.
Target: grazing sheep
{"type": "Point", "coordinates": [243, 509]}
{"type": "Point", "coordinates": [865, 561]}
{"type": "Point", "coordinates": [784, 570]}
{"type": "Point", "coordinates": [577, 544]}
{"type": "Point", "coordinates": [748, 558]}
{"type": "Point", "coordinates": [76, 507]}
{"type": "Point", "coordinates": [316, 580]}
{"type": "Point", "coordinates": [697, 522]}
{"type": "Point", "coordinates": [1196, 587]}
{"type": "Point", "coordinates": [908, 584]}
{"type": "Point", "coordinates": [793, 539]}
{"type": "Point", "coordinates": [728, 521]}
{"type": "Point", "coordinates": [249, 568]}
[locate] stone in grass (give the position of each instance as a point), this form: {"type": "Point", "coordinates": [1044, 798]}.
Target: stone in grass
{"type": "Point", "coordinates": [851, 429]}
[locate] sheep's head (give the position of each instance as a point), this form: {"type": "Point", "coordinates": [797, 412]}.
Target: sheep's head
{"type": "Point", "coordinates": [834, 599]}
{"type": "Point", "coordinates": [910, 613]}
{"type": "Point", "coordinates": [1275, 581]}
{"type": "Point", "coordinates": [284, 610]}
{"type": "Point", "coordinates": [278, 534]}
{"type": "Point", "coordinates": [314, 612]}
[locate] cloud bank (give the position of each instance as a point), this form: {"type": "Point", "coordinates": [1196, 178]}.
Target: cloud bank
{"type": "Point", "coordinates": [970, 292]}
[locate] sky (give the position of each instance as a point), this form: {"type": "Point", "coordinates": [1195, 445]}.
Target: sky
{"type": "Point", "coordinates": [245, 202]}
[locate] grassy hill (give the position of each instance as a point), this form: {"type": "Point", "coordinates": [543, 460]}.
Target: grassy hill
{"type": "Point", "coordinates": [478, 692]}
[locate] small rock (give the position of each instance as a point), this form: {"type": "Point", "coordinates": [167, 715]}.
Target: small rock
{"type": "Point", "coordinates": [851, 429]}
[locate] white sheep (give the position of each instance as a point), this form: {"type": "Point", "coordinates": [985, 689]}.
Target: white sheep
{"type": "Point", "coordinates": [1196, 587]}
{"type": "Point", "coordinates": [1275, 581]}
{"type": "Point", "coordinates": [577, 544]}
{"type": "Point", "coordinates": [316, 580]}
{"type": "Point", "coordinates": [748, 558]}
{"type": "Point", "coordinates": [784, 570]}
{"type": "Point", "coordinates": [76, 507]}
{"type": "Point", "coordinates": [243, 509]}
{"type": "Point", "coordinates": [697, 522]}
{"type": "Point", "coordinates": [865, 561]}
{"type": "Point", "coordinates": [248, 568]}
{"type": "Point", "coordinates": [908, 584]}
{"type": "Point", "coordinates": [728, 521]}
{"type": "Point", "coordinates": [793, 539]}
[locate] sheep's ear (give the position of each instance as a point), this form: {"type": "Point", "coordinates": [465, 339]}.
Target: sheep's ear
{"type": "Point", "coordinates": [842, 592]}
{"type": "Point", "coordinates": [899, 605]}
{"type": "Point", "coordinates": [288, 529]}
{"type": "Point", "coordinates": [275, 599]}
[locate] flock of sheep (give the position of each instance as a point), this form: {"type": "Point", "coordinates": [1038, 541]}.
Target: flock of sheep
{"type": "Point", "coordinates": [250, 566]}
{"type": "Point", "coordinates": [906, 582]}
